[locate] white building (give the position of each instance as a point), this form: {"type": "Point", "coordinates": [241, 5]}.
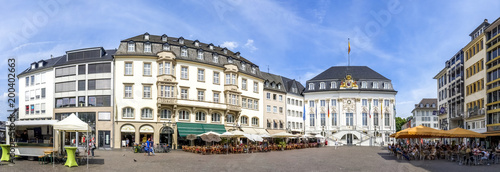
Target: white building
{"type": "Point", "coordinates": [168, 88]}
{"type": "Point", "coordinates": [360, 102]}
{"type": "Point", "coordinates": [36, 88]}
{"type": "Point", "coordinates": [294, 105]}
{"type": "Point", "coordinates": [425, 113]}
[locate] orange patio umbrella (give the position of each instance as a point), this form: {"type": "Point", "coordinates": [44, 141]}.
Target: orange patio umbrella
{"type": "Point", "coordinates": [421, 132]}
{"type": "Point", "coordinates": [463, 133]}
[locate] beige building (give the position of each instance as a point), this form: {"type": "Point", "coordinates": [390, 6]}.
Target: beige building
{"type": "Point", "coordinates": [274, 102]}
{"type": "Point", "coordinates": [475, 92]}
{"type": "Point", "coordinates": [168, 88]}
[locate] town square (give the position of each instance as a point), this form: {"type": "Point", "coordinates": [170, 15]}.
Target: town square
{"type": "Point", "coordinates": [265, 85]}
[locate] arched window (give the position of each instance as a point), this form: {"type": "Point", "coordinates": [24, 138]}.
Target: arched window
{"type": "Point", "coordinates": [200, 116]}
{"type": "Point", "coordinates": [230, 118]}
{"type": "Point", "coordinates": [244, 120]}
{"type": "Point", "coordinates": [215, 117]}
{"type": "Point", "coordinates": [165, 113]}
{"type": "Point", "coordinates": [200, 54]}
{"type": "Point", "coordinates": [147, 113]}
{"type": "Point", "coordinates": [147, 47]}
{"type": "Point", "coordinates": [128, 112]}
{"type": "Point", "coordinates": [166, 47]}
{"type": "Point", "coordinates": [333, 85]}
{"type": "Point", "coordinates": [255, 121]}
{"type": "Point", "coordinates": [183, 115]}
{"type": "Point", "coordinates": [364, 85]}
{"type": "Point", "coordinates": [184, 52]}
{"type": "Point", "coordinates": [131, 46]}
{"type": "Point", "coordinates": [322, 85]}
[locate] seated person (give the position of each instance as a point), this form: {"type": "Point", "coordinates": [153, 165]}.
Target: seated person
{"type": "Point", "coordinates": [485, 156]}
{"type": "Point", "coordinates": [398, 149]}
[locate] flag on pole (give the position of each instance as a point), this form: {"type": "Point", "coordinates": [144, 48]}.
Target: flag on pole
{"type": "Point", "coordinates": [304, 113]}
{"type": "Point", "coordinates": [370, 110]}
{"type": "Point", "coordinates": [349, 45]}
{"type": "Point", "coordinates": [328, 110]}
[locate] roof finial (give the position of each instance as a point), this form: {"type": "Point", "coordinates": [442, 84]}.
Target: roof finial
{"type": "Point", "coordinates": [267, 68]}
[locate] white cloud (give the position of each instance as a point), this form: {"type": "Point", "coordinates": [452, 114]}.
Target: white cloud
{"type": "Point", "coordinates": [230, 45]}
{"type": "Point", "coordinates": [249, 45]}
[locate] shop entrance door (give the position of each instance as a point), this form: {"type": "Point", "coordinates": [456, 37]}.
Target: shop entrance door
{"type": "Point", "coordinates": [104, 139]}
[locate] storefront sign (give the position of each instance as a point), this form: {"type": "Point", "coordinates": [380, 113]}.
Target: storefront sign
{"type": "Point", "coordinates": [494, 128]}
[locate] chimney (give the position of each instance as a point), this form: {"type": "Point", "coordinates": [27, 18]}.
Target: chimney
{"type": "Point", "coordinates": [51, 56]}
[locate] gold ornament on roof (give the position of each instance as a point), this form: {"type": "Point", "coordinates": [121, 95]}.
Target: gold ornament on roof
{"type": "Point", "coordinates": [348, 83]}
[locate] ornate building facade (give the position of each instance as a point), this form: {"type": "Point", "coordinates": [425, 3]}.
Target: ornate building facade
{"type": "Point", "coordinates": [167, 88]}
{"type": "Point", "coordinates": [352, 104]}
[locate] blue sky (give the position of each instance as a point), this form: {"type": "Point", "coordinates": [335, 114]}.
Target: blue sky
{"type": "Point", "coordinates": [406, 41]}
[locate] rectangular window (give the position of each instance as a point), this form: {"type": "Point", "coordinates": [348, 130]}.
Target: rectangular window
{"type": "Point", "coordinates": [334, 102]}
{"type": "Point", "coordinates": [99, 84]}
{"type": "Point", "coordinates": [311, 103]}
{"type": "Point", "coordinates": [42, 108]}
{"type": "Point", "coordinates": [131, 47]}
{"type": "Point", "coordinates": [375, 119]}
{"type": "Point", "coordinates": [147, 69]}
{"type": "Point", "coordinates": [364, 102]}
{"type": "Point", "coordinates": [37, 79]}
{"type": "Point", "coordinates": [201, 95]}
{"type": "Point", "coordinates": [147, 92]}
{"type": "Point", "coordinates": [334, 119]}
{"type": "Point", "coordinates": [244, 103]}
{"type": "Point", "coordinates": [233, 79]}
{"type": "Point", "coordinates": [128, 68]}
{"type": "Point", "coordinates": [99, 101]}
{"type": "Point", "coordinates": [99, 68]}
{"type": "Point", "coordinates": [255, 87]}
{"type": "Point", "coordinates": [147, 47]}
{"type": "Point", "coordinates": [386, 119]}
{"type": "Point", "coordinates": [280, 98]}
{"type": "Point", "coordinates": [216, 77]}
{"type": "Point", "coordinates": [365, 119]}
{"type": "Point", "coordinates": [37, 109]}
{"type": "Point", "coordinates": [160, 68]}
{"type": "Point", "coordinates": [216, 97]}
{"type": "Point", "coordinates": [81, 101]}
{"type": "Point", "coordinates": [32, 80]}
{"type": "Point", "coordinates": [168, 69]}
{"type": "Point", "coordinates": [275, 109]}
{"type": "Point", "coordinates": [281, 110]}
{"type": "Point", "coordinates": [128, 91]}
{"type": "Point", "coordinates": [128, 113]}
{"type": "Point", "coordinates": [268, 108]}
{"type": "Point", "coordinates": [322, 103]}
{"type": "Point", "coordinates": [60, 72]}
{"type": "Point", "coordinates": [375, 102]}
{"type": "Point", "coordinates": [184, 73]}
{"type": "Point", "coordinates": [250, 103]}
{"type": "Point", "coordinates": [323, 119]}
{"type": "Point", "coordinates": [256, 104]}
{"type": "Point", "coordinates": [184, 93]}
{"type": "Point", "coordinates": [27, 81]}
{"type": "Point", "coordinates": [349, 119]}
{"type": "Point", "coordinates": [37, 93]}
{"type": "Point", "coordinates": [81, 70]}
{"type": "Point", "coordinates": [65, 86]}
{"type": "Point", "coordinates": [27, 96]}
{"type": "Point", "coordinates": [201, 75]}
{"type": "Point", "coordinates": [244, 84]}
{"type": "Point", "coordinates": [311, 121]}
{"type": "Point", "coordinates": [228, 79]}
{"type": "Point", "coordinates": [268, 96]}
{"type": "Point", "coordinates": [81, 85]}
{"type": "Point", "coordinates": [386, 103]}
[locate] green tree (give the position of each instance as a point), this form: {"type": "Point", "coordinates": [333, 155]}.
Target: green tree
{"type": "Point", "coordinates": [400, 122]}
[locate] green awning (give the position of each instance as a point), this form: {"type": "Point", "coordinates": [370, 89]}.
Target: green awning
{"type": "Point", "coordinates": [197, 128]}
{"type": "Point", "coordinates": [218, 128]}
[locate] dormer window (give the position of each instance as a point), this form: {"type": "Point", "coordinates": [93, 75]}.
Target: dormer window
{"type": "Point", "coordinates": [386, 85]}
{"type": "Point", "coordinates": [237, 54]}
{"type": "Point", "coordinates": [243, 66]}
{"type": "Point", "coordinates": [421, 105]}
{"type": "Point", "coordinates": [230, 60]}
{"type": "Point", "coordinates": [254, 69]}
{"type": "Point", "coordinates": [40, 64]}
{"type": "Point", "coordinates": [196, 43]}
{"type": "Point", "coordinates": [200, 54]}
{"type": "Point", "coordinates": [267, 83]}
{"type": "Point", "coordinates": [146, 36]}
{"type": "Point", "coordinates": [33, 65]}
{"type": "Point", "coordinates": [181, 40]}
{"type": "Point", "coordinates": [375, 85]}
{"type": "Point", "coordinates": [164, 38]}
{"type": "Point", "coordinates": [166, 47]}
{"type": "Point", "coordinates": [211, 47]}
{"type": "Point", "coordinates": [433, 105]}
{"type": "Point", "coordinates": [131, 46]}
{"type": "Point", "coordinates": [294, 89]}
{"type": "Point", "coordinates": [215, 58]}
{"type": "Point", "coordinates": [279, 86]}
{"type": "Point", "coordinates": [147, 47]}
{"type": "Point", "coordinates": [184, 51]}
{"type": "Point", "coordinates": [427, 105]}
{"type": "Point", "coordinates": [333, 85]}
{"type": "Point", "coordinates": [225, 51]}
{"type": "Point", "coordinates": [322, 85]}
{"type": "Point", "coordinates": [364, 85]}
{"type": "Point", "coordinates": [311, 86]}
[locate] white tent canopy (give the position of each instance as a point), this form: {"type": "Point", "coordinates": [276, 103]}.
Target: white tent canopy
{"type": "Point", "coordinates": [72, 124]}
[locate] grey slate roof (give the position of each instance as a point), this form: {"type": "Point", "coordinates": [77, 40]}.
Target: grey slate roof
{"type": "Point", "coordinates": [273, 80]}
{"type": "Point", "coordinates": [357, 72]}
{"type": "Point", "coordinates": [49, 63]}
{"type": "Point", "coordinates": [360, 74]}
{"type": "Point", "coordinates": [289, 84]}
{"type": "Point", "coordinates": [108, 56]}
{"type": "Point", "coordinates": [425, 101]}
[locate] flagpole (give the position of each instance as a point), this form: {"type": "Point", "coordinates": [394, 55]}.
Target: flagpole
{"type": "Point", "coordinates": [349, 53]}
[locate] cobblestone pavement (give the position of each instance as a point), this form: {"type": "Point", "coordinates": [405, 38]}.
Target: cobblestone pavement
{"type": "Point", "coordinates": [312, 159]}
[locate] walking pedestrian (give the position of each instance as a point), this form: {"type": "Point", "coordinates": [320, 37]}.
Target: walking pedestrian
{"type": "Point", "coordinates": [147, 148]}
{"type": "Point", "coordinates": [336, 143]}
{"type": "Point", "coordinates": [152, 147]}
{"type": "Point", "coordinates": [93, 146]}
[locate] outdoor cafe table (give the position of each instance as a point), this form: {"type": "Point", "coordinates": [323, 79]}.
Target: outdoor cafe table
{"type": "Point", "coordinates": [5, 152]}
{"type": "Point", "coordinates": [71, 161]}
